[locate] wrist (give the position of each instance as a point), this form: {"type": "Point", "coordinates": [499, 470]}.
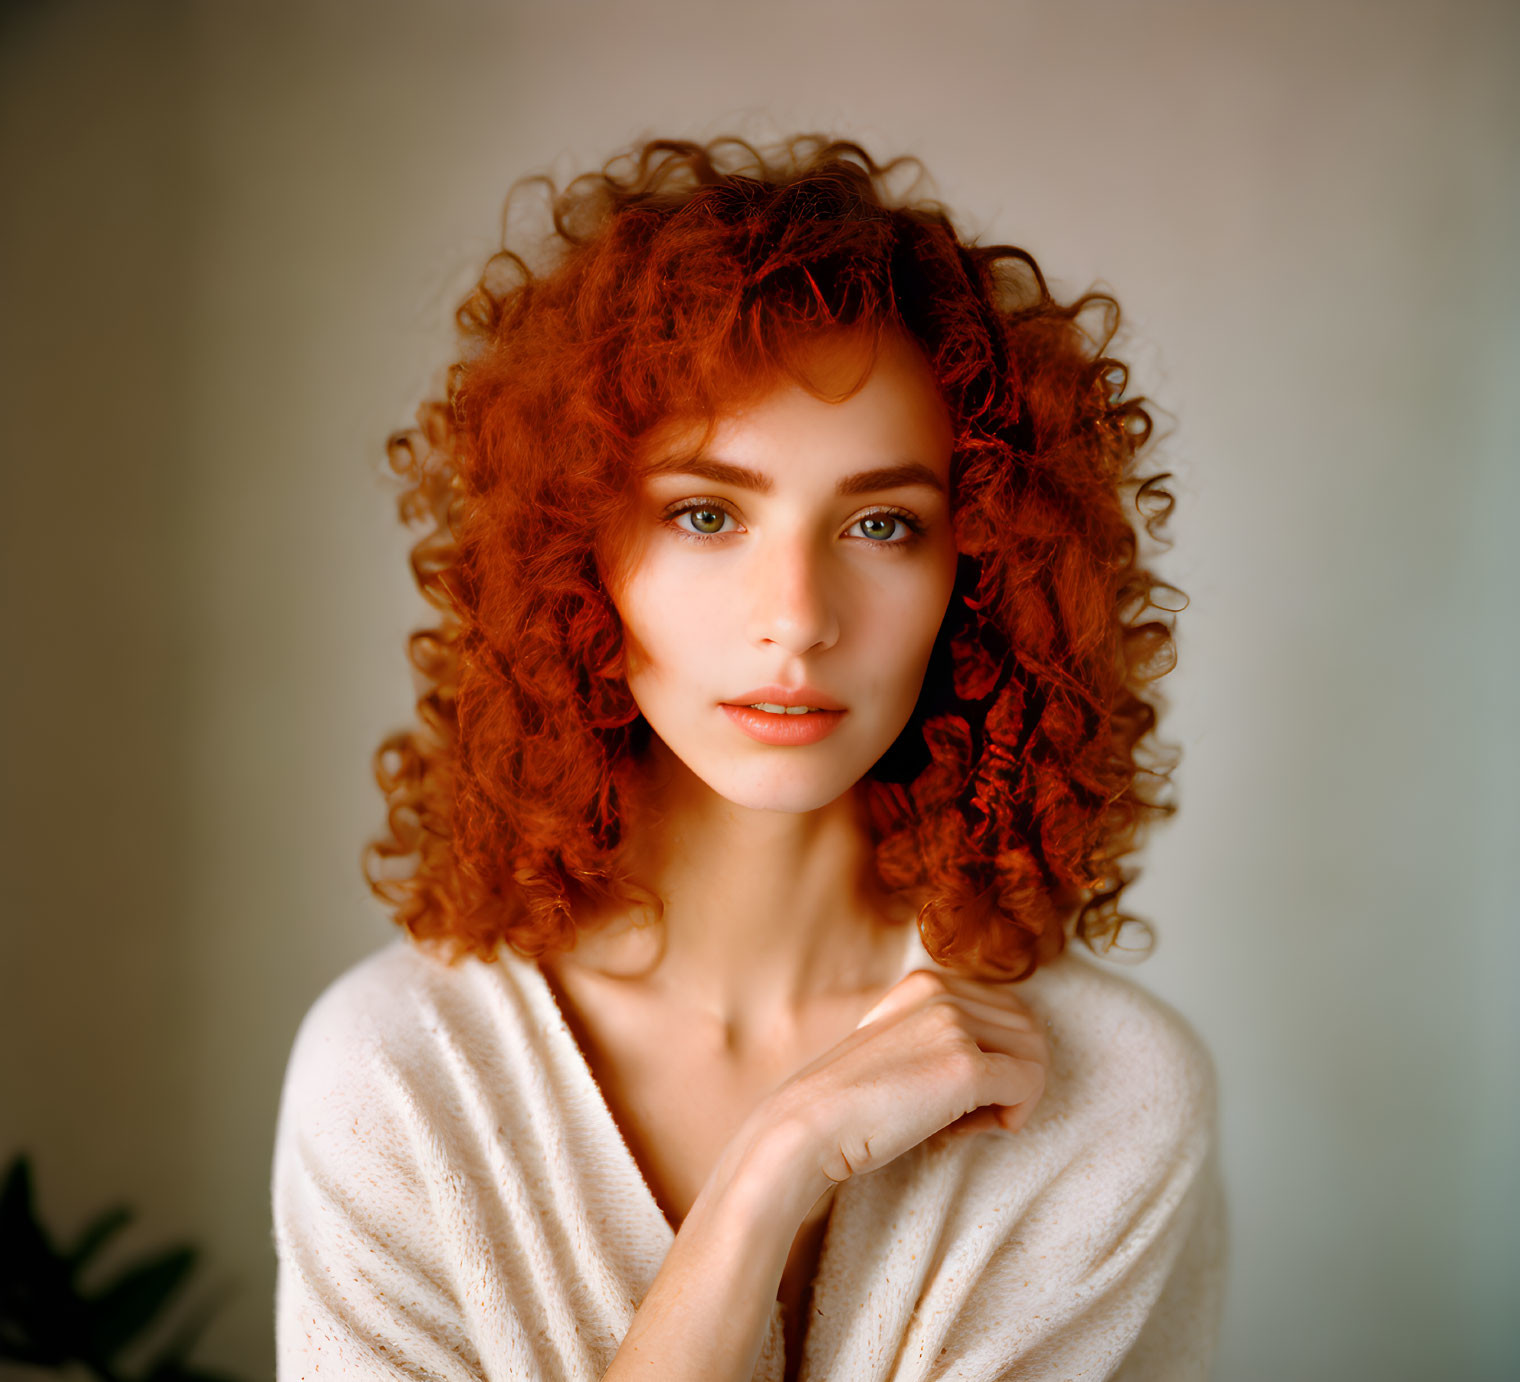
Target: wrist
{"type": "Point", "coordinates": [777, 1169]}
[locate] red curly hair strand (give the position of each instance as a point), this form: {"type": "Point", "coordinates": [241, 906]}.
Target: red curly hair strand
{"type": "Point", "coordinates": [679, 279]}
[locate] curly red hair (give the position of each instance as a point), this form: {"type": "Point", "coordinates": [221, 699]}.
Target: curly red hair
{"type": "Point", "coordinates": [676, 280]}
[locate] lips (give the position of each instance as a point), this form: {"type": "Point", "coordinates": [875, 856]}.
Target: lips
{"type": "Point", "coordinates": [783, 730]}
{"type": "Point", "coordinates": [781, 695]}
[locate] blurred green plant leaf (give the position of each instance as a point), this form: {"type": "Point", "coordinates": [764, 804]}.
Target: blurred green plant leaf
{"type": "Point", "coordinates": [47, 1320]}
{"type": "Point", "coordinates": [170, 1364]}
{"type": "Point", "coordinates": [95, 1236]}
{"type": "Point", "coordinates": [126, 1307]}
{"type": "Point", "coordinates": [39, 1313]}
{"type": "Point", "coordinates": [23, 1242]}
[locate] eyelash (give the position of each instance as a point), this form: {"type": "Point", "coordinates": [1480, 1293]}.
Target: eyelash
{"type": "Point", "coordinates": [913, 525]}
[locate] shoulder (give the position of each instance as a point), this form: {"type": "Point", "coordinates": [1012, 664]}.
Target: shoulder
{"type": "Point", "coordinates": [406, 992]}
{"type": "Point", "coordinates": [1124, 1062]}
{"type": "Point", "coordinates": [375, 1008]}
{"type": "Point", "coordinates": [391, 1035]}
{"type": "Point", "coordinates": [390, 1169]}
{"type": "Point", "coordinates": [1107, 1205]}
{"type": "Point", "coordinates": [1119, 1160]}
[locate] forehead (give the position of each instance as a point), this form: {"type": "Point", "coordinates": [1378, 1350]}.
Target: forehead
{"type": "Point", "coordinates": [858, 411]}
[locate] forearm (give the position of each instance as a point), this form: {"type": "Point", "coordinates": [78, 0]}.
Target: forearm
{"type": "Point", "coordinates": [705, 1317]}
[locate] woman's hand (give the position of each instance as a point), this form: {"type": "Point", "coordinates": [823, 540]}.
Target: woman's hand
{"type": "Point", "coordinates": [938, 1051]}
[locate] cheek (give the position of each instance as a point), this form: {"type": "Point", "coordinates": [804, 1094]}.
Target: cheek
{"type": "Point", "coordinates": [916, 632]}
{"type": "Point", "coordinates": [912, 620]}
{"type": "Point", "coordinates": [663, 620]}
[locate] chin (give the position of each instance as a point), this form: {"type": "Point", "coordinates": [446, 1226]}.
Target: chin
{"type": "Point", "coordinates": [799, 792]}
{"type": "Point", "coordinates": [773, 779]}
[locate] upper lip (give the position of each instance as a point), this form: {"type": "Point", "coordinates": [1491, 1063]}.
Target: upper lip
{"type": "Point", "coordinates": [780, 695]}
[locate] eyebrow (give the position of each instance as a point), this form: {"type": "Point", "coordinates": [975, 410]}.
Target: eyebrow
{"type": "Point", "coordinates": [901, 476]}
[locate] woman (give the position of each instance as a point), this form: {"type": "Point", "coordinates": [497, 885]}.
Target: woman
{"type": "Point", "coordinates": [786, 710]}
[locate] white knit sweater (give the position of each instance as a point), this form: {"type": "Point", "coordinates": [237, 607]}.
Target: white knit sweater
{"type": "Point", "coordinates": [453, 1200]}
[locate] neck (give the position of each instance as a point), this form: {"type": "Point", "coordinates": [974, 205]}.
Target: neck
{"type": "Point", "coordinates": [767, 913]}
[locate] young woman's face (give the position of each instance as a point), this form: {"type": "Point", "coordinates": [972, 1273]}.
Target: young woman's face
{"type": "Point", "coordinates": [807, 548]}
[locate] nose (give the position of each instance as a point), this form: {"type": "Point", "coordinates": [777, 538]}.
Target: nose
{"type": "Point", "coordinates": [793, 603]}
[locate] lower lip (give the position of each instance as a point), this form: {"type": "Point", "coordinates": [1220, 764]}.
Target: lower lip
{"type": "Point", "coordinates": [770, 728]}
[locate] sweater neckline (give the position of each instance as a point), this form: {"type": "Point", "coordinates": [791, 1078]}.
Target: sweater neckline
{"type": "Point", "coordinates": [653, 1229]}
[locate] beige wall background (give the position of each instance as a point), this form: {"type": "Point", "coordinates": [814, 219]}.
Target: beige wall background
{"type": "Point", "coordinates": [233, 236]}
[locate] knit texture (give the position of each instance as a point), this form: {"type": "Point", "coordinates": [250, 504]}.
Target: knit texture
{"type": "Point", "coordinates": [453, 1200]}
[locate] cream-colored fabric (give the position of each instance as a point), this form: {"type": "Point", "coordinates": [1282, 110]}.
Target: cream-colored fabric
{"type": "Point", "coordinates": [454, 1202]}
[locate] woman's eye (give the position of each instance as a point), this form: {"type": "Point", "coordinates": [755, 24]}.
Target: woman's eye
{"type": "Point", "coordinates": [880, 527]}
{"type": "Point", "coordinates": [890, 528]}
{"type": "Point", "coordinates": [885, 528]}
{"type": "Point", "coordinates": [706, 521]}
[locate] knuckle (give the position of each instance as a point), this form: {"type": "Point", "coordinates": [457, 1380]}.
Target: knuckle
{"type": "Point", "coordinates": [944, 1019]}
{"type": "Point", "coordinates": [922, 984]}
{"type": "Point", "coordinates": [966, 1062]}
